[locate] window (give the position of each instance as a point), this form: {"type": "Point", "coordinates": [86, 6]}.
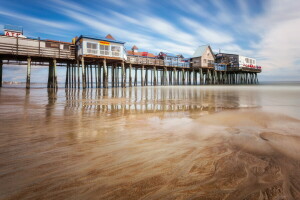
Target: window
{"type": "Point", "coordinates": [92, 48]}
{"type": "Point", "coordinates": [116, 51]}
{"type": "Point", "coordinates": [247, 60]}
{"type": "Point", "coordinates": [52, 45]}
{"type": "Point", "coordinates": [204, 61]}
{"type": "Point", "coordinates": [104, 50]}
{"type": "Point", "coordinates": [66, 47]}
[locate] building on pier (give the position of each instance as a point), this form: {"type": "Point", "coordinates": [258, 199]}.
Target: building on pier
{"type": "Point", "coordinates": [134, 52]}
{"type": "Point", "coordinates": [203, 57]}
{"type": "Point", "coordinates": [172, 59]}
{"type": "Point", "coordinates": [235, 61]}
{"type": "Point", "coordinates": [108, 47]}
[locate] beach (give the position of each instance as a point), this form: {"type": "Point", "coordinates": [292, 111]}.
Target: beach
{"type": "Point", "coordinates": [164, 142]}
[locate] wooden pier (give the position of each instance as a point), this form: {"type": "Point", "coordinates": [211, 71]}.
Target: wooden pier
{"type": "Point", "coordinates": [93, 70]}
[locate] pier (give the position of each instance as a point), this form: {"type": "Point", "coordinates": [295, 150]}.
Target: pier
{"type": "Point", "coordinates": [92, 62]}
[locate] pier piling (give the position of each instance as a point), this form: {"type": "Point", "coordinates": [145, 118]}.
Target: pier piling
{"type": "Point", "coordinates": [28, 73]}
{"type": "Point", "coordinates": [83, 73]}
{"type": "Point", "coordinates": [105, 74]}
{"type": "Point", "coordinates": [1, 67]}
{"type": "Point", "coordinates": [52, 79]}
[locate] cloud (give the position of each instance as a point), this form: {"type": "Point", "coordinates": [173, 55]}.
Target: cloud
{"type": "Point", "coordinates": [206, 34]}
{"type": "Point", "coordinates": [279, 45]}
{"type": "Point", "coordinates": [54, 24]}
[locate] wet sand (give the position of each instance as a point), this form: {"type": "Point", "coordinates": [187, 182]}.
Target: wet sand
{"type": "Point", "coordinates": [217, 142]}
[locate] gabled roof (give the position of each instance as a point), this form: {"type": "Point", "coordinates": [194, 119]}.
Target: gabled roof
{"type": "Point", "coordinates": [200, 51]}
{"type": "Point", "coordinates": [110, 37]}
{"type": "Point", "coordinates": [135, 47]}
{"type": "Point", "coordinates": [99, 38]}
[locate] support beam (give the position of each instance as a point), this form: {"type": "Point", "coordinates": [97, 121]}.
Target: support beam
{"type": "Point", "coordinates": [142, 76]}
{"type": "Point", "coordinates": [130, 75]}
{"type": "Point", "coordinates": [123, 75]}
{"type": "Point", "coordinates": [83, 74]}
{"type": "Point", "coordinates": [155, 76]}
{"type": "Point", "coordinates": [105, 74]}
{"type": "Point", "coordinates": [99, 75]}
{"type": "Point", "coordinates": [146, 77]}
{"type": "Point", "coordinates": [113, 73]}
{"type": "Point", "coordinates": [201, 77]}
{"type": "Point", "coordinates": [183, 77]}
{"type": "Point", "coordinates": [67, 75]}
{"type": "Point", "coordinates": [135, 76]}
{"type": "Point", "coordinates": [74, 75]}
{"type": "Point", "coordinates": [28, 73]}
{"type": "Point", "coordinates": [1, 71]}
{"type": "Point", "coordinates": [165, 76]}
{"type": "Point", "coordinates": [174, 77]}
{"type": "Point", "coordinates": [88, 75]}
{"type": "Point", "coordinates": [78, 73]}
{"type": "Point", "coordinates": [91, 72]}
{"type": "Point", "coordinates": [52, 79]}
{"type": "Point", "coordinates": [96, 76]}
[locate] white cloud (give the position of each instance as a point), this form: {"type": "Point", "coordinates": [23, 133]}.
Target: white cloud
{"type": "Point", "coordinates": [280, 44]}
{"type": "Point", "coordinates": [207, 34]}
{"type": "Point", "coordinates": [50, 23]}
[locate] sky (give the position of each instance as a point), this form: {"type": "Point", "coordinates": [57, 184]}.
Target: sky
{"type": "Point", "coordinates": [267, 30]}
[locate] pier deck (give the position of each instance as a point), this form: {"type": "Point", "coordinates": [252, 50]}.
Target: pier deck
{"type": "Point", "coordinates": [84, 71]}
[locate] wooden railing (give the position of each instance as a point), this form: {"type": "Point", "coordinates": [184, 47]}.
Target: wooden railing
{"type": "Point", "coordinates": [34, 48]}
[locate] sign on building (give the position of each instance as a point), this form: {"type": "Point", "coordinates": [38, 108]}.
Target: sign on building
{"type": "Point", "coordinates": [13, 31]}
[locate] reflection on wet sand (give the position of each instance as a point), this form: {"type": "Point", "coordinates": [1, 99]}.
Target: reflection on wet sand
{"type": "Point", "coordinates": [147, 143]}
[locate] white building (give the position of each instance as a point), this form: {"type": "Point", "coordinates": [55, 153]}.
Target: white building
{"type": "Point", "coordinates": [100, 47]}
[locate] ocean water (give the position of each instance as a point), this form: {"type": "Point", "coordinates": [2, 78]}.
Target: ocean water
{"type": "Point", "coordinates": [165, 142]}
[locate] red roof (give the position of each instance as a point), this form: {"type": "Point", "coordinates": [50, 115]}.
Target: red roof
{"type": "Point", "coordinates": [141, 54]}
{"type": "Point", "coordinates": [109, 36]}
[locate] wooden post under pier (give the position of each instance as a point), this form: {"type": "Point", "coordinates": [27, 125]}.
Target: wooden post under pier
{"type": "Point", "coordinates": [123, 75]}
{"type": "Point", "coordinates": [130, 75]}
{"type": "Point", "coordinates": [135, 77]}
{"type": "Point", "coordinates": [83, 73]}
{"type": "Point", "coordinates": [52, 79]}
{"type": "Point", "coordinates": [142, 76]}
{"type": "Point", "coordinates": [105, 78]}
{"type": "Point", "coordinates": [28, 73]}
{"type": "Point", "coordinates": [155, 76]}
{"type": "Point", "coordinates": [78, 72]}
{"type": "Point", "coordinates": [1, 70]}
{"type": "Point", "coordinates": [67, 76]}
{"type": "Point", "coordinates": [99, 75]}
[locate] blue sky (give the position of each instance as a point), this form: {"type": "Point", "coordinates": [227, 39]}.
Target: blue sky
{"type": "Point", "coordinates": [264, 29]}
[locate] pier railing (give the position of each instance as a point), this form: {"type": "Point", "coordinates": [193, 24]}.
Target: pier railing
{"type": "Point", "coordinates": [36, 48]}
